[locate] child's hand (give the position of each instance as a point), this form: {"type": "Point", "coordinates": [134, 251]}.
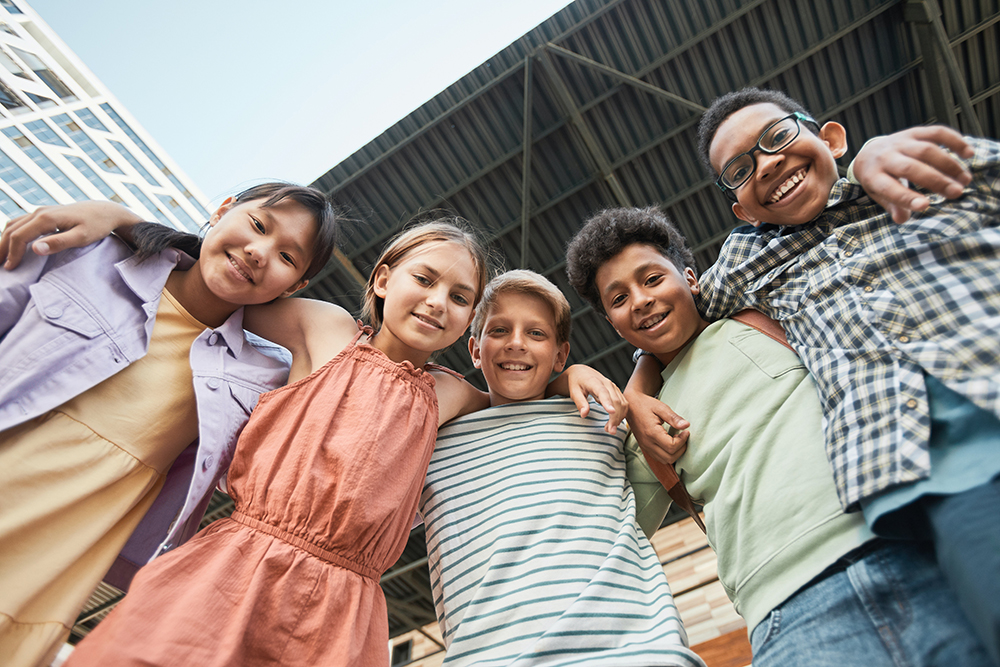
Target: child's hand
{"type": "Point", "coordinates": [917, 155]}
{"type": "Point", "coordinates": [69, 226]}
{"type": "Point", "coordinates": [583, 381]}
{"type": "Point", "coordinates": [647, 417]}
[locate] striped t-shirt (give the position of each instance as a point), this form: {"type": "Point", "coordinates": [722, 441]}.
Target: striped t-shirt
{"type": "Point", "coordinates": [534, 553]}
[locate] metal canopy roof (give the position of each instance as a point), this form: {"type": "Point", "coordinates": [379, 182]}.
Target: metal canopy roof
{"type": "Point", "coordinates": [597, 107]}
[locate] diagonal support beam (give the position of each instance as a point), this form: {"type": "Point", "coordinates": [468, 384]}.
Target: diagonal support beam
{"type": "Point", "coordinates": [571, 110]}
{"type": "Point", "coordinates": [625, 78]}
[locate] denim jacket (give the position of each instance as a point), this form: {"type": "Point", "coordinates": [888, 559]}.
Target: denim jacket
{"type": "Point", "coordinates": [71, 320]}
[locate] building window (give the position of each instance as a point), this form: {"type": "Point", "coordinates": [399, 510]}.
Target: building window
{"type": "Point", "coordinates": [7, 29]}
{"type": "Point", "coordinates": [11, 65]}
{"type": "Point", "coordinates": [401, 652]}
{"type": "Point", "coordinates": [39, 158]}
{"type": "Point", "coordinates": [9, 99]}
{"type": "Point", "coordinates": [84, 141]}
{"type": "Point", "coordinates": [179, 212]}
{"type": "Point", "coordinates": [131, 159]}
{"type": "Point", "coordinates": [10, 7]}
{"type": "Point", "coordinates": [24, 185]}
{"type": "Point", "coordinates": [88, 117]}
{"type": "Point", "coordinates": [43, 72]}
{"type": "Point", "coordinates": [148, 203]}
{"type": "Point", "coordinates": [92, 176]}
{"type": "Point", "coordinates": [42, 101]}
{"type": "Point", "coordinates": [41, 130]}
{"type": "Point", "coordinates": [10, 207]}
{"type": "Point", "coordinates": [152, 157]}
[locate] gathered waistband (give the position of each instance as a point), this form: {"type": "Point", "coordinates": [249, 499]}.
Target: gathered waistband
{"type": "Point", "coordinates": [307, 546]}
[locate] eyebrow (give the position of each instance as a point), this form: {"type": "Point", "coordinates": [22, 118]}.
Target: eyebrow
{"type": "Point", "coordinates": [616, 284]}
{"type": "Point", "coordinates": [434, 272]}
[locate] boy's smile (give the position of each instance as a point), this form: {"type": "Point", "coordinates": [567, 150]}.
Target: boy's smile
{"type": "Point", "coordinates": [649, 301]}
{"type": "Point", "coordinates": [518, 349]}
{"type": "Point", "coordinates": [790, 187]}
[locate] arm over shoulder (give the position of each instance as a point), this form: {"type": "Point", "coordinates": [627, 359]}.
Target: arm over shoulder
{"type": "Point", "coordinates": [313, 331]}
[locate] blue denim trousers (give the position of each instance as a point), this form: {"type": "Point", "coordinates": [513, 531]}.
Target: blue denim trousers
{"type": "Point", "coordinates": [891, 607]}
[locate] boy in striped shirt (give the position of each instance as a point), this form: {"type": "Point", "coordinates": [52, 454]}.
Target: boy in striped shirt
{"type": "Point", "coordinates": [534, 552]}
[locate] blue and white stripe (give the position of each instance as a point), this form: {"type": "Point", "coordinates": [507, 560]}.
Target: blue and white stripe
{"type": "Point", "coordinates": [534, 553]}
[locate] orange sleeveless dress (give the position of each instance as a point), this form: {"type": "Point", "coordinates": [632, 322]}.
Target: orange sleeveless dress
{"type": "Point", "coordinates": [326, 479]}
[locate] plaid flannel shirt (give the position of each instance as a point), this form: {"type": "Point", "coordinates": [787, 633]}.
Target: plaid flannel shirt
{"type": "Point", "coordinates": [871, 306]}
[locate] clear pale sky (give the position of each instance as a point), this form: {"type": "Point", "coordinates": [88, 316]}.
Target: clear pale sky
{"type": "Point", "coordinates": [237, 91]}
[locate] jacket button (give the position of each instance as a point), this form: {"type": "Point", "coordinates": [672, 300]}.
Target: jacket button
{"type": "Point", "coordinates": [207, 463]}
{"type": "Point", "coordinates": [53, 312]}
{"type": "Point", "coordinates": [213, 383]}
{"type": "Point", "coordinates": [213, 339]}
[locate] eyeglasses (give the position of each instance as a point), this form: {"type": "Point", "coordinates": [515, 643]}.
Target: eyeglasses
{"type": "Point", "coordinates": [776, 137]}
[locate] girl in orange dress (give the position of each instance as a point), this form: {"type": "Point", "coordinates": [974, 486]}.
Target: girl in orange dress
{"type": "Point", "coordinates": [326, 479]}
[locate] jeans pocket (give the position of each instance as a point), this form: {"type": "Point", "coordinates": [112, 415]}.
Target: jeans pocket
{"type": "Point", "coordinates": [764, 631]}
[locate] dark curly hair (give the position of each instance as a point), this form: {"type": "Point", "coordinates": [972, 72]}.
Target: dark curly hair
{"type": "Point", "coordinates": [725, 106]}
{"type": "Point", "coordinates": [608, 233]}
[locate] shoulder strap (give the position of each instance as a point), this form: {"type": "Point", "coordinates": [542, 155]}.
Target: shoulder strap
{"type": "Point", "coordinates": [675, 489]}
{"type": "Point", "coordinates": [445, 369]}
{"type": "Point", "coordinates": [764, 324]}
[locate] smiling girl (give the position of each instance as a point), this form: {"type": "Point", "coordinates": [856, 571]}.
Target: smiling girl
{"type": "Point", "coordinates": [111, 365]}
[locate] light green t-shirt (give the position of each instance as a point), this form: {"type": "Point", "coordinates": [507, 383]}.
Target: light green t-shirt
{"type": "Point", "coordinates": [756, 460]}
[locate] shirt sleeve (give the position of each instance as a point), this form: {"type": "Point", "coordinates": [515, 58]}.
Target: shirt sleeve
{"type": "Point", "coordinates": [720, 293]}
{"type": "Point", "coordinates": [651, 499]}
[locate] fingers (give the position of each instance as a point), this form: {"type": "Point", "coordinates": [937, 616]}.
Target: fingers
{"type": "Point", "coordinates": [579, 397]}
{"type": "Point", "coordinates": [664, 447]}
{"type": "Point", "coordinates": [947, 137]}
{"type": "Point", "coordinates": [668, 416]}
{"type": "Point", "coordinates": [20, 232]}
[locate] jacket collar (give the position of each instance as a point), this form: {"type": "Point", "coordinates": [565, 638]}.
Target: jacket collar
{"type": "Point", "coordinates": [146, 279]}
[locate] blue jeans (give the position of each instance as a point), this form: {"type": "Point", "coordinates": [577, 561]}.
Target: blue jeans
{"type": "Point", "coordinates": [966, 529]}
{"type": "Point", "coordinates": [891, 607]}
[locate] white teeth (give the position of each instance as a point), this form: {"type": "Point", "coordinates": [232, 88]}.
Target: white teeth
{"type": "Point", "coordinates": [239, 270]}
{"type": "Point", "coordinates": [652, 321]}
{"type": "Point", "coordinates": [515, 367]}
{"type": "Point", "coordinates": [788, 185]}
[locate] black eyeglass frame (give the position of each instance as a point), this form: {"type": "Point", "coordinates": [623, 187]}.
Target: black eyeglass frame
{"type": "Point", "coordinates": [730, 192]}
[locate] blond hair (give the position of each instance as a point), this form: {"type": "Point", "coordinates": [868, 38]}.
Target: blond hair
{"type": "Point", "coordinates": [442, 230]}
{"type": "Point", "coordinates": [523, 281]}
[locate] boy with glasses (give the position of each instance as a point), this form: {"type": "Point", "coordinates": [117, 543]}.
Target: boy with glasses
{"type": "Point", "coordinates": [897, 323]}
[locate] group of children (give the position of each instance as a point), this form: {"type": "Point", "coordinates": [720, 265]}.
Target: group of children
{"type": "Point", "coordinates": [537, 510]}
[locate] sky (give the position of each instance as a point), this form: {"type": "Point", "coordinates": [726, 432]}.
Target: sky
{"type": "Point", "coordinates": [240, 91]}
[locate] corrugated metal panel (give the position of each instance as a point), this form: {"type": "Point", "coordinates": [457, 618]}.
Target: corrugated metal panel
{"type": "Point", "coordinates": [855, 61]}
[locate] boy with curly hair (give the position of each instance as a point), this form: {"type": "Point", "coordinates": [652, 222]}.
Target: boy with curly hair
{"type": "Point", "coordinates": [787, 552]}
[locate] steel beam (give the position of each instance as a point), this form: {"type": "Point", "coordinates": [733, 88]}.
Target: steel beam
{"type": "Point", "coordinates": [526, 165]}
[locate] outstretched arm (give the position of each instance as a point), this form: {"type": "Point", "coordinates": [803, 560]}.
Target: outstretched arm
{"type": "Point", "coordinates": [918, 156]}
{"type": "Point", "coordinates": [649, 418]}
{"type": "Point", "coordinates": [579, 381]}
{"type": "Point", "coordinates": [70, 226]}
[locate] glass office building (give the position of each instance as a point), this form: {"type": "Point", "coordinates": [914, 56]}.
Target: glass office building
{"type": "Point", "coordinates": [65, 138]}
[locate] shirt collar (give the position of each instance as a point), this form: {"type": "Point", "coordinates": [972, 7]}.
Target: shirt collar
{"type": "Point", "coordinates": [232, 332]}
{"type": "Point", "coordinates": [842, 191]}
{"type": "Point", "coordinates": [146, 279]}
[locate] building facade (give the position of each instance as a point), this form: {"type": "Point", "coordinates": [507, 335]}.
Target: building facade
{"type": "Point", "coordinates": [65, 138]}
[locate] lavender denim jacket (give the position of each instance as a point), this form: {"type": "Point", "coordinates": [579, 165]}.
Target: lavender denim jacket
{"type": "Point", "coordinates": [71, 320]}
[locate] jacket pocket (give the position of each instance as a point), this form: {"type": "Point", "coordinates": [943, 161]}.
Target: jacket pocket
{"type": "Point", "coordinates": [60, 310]}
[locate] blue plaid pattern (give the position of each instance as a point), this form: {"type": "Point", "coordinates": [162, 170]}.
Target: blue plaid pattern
{"type": "Point", "coordinates": [871, 306]}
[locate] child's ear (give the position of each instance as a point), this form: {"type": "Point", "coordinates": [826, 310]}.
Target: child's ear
{"type": "Point", "coordinates": [835, 136]}
{"type": "Point", "coordinates": [692, 280]}
{"type": "Point", "coordinates": [381, 281]}
{"type": "Point", "coordinates": [293, 289]}
{"type": "Point", "coordinates": [561, 356]}
{"type": "Point", "coordinates": [477, 359]}
{"type": "Point", "coordinates": [221, 211]}
{"type": "Point", "coordinates": [742, 214]}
